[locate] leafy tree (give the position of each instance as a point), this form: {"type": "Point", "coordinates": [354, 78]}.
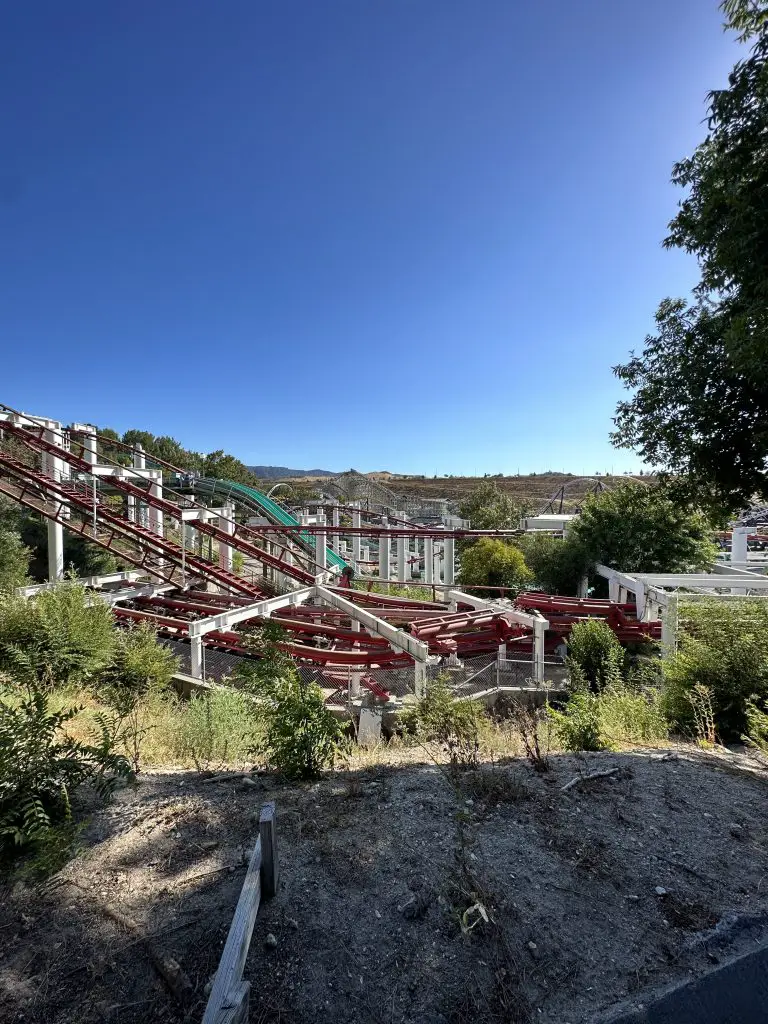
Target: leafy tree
{"type": "Point", "coordinates": [632, 528]}
{"type": "Point", "coordinates": [493, 563]}
{"type": "Point", "coordinates": [111, 452]}
{"type": "Point", "coordinates": [557, 565]}
{"type": "Point", "coordinates": [227, 467]}
{"type": "Point", "coordinates": [139, 437]}
{"type": "Point", "coordinates": [642, 529]}
{"type": "Point", "coordinates": [700, 406]}
{"type": "Point", "coordinates": [169, 449]}
{"type": "Point", "coordinates": [14, 560]}
{"type": "Point", "coordinates": [489, 508]}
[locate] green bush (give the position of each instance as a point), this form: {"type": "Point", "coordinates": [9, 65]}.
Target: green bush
{"type": "Point", "coordinates": [140, 662]}
{"type": "Point", "coordinates": [594, 650]}
{"type": "Point", "coordinates": [578, 725]}
{"type": "Point", "coordinates": [722, 647]}
{"type": "Point", "coordinates": [301, 736]}
{"type": "Point", "coordinates": [14, 560]}
{"type": "Point", "coordinates": [757, 727]}
{"type": "Point", "coordinates": [438, 717]}
{"type": "Point", "coordinates": [557, 564]}
{"type": "Point", "coordinates": [632, 716]}
{"type": "Point", "coordinates": [217, 728]}
{"type": "Point", "coordinates": [617, 715]}
{"type": "Point", "coordinates": [41, 767]}
{"type": "Point", "coordinates": [63, 636]}
{"type": "Point", "coordinates": [493, 563]}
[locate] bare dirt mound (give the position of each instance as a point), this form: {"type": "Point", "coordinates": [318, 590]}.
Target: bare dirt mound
{"type": "Point", "coordinates": [406, 895]}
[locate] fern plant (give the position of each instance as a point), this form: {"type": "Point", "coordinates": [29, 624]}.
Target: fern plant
{"type": "Point", "coordinates": [41, 767]}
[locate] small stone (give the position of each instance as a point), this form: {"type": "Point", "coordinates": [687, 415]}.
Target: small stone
{"type": "Point", "coordinates": [377, 914]}
{"type": "Point", "coordinates": [270, 941]}
{"type": "Point", "coordinates": [293, 924]}
{"type": "Point", "coordinates": [248, 782]}
{"type": "Point", "coordinates": [470, 802]}
{"type": "Point", "coordinates": [660, 890]}
{"type": "Point", "coordinates": [737, 831]}
{"type": "Point", "coordinates": [532, 946]}
{"type": "Point", "coordinates": [633, 898]}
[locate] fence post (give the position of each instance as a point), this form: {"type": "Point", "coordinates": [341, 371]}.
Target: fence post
{"type": "Point", "coordinates": [269, 864]}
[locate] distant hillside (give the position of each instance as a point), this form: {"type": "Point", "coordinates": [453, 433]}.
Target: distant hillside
{"type": "Point", "coordinates": [279, 472]}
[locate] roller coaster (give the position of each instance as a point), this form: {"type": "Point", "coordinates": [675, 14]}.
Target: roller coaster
{"type": "Point", "coordinates": [180, 534]}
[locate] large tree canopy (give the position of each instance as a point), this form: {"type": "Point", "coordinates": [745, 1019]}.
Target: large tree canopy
{"type": "Point", "coordinates": [642, 529]}
{"type": "Point", "coordinates": [631, 528]}
{"type": "Point", "coordinates": [488, 508]}
{"type": "Point", "coordinates": [700, 407]}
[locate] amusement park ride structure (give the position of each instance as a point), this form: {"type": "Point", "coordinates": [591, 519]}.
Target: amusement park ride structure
{"type": "Point", "coordinates": [180, 534]}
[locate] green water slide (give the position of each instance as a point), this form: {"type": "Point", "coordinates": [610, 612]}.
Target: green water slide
{"type": "Point", "coordinates": [257, 503]}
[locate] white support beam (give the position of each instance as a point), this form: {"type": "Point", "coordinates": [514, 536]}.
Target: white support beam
{"type": "Point", "coordinates": [196, 656]}
{"type": "Point", "coordinates": [356, 539]}
{"type": "Point", "coordinates": [93, 582]}
{"type": "Point", "coordinates": [226, 523]}
{"type": "Point", "coordinates": [261, 609]}
{"type": "Point", "coordinates": [539, 629]}
{"type": "Point", "coordinates": [127, 473]}
{"type": "Point", "coordinates": [396, 638]}
{"type": "Point", "coordinates": [429, 560]}
{"type": "Point", "coordinates": [726, 569]}
{"type": "Point", "coordinates": [704, 581]}
{"type": "Point", "coordinates": [524, 618]}
{"type": "Point", "coordinates": [113, 597]}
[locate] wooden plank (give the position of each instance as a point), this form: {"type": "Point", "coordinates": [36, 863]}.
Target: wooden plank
{"type": "Point", "coordinates": [227, 986]}
{"type": "Point", "coordinates": [237, 1013]}
{"type": "Point", "coordinates": [269, 864]}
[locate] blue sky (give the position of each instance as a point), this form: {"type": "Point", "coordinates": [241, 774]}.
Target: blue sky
{"type": "Point", "coordinates": [391, 234]}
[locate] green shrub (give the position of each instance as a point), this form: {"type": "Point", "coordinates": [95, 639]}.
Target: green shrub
{"type": "Point", "coordinates": [596, 653]}
{"type": "Point", "coordinates": [14, 560]}
{"type": "Point", "coordinates": [723, 647]}
{"type": "Point", "coordinates": [557, 564]}
{"type": "Point", "coordinates": [757, 727]}
{"type": "Point", "coordinates": [438, 717]}
{"type": "Point", "coordinates": [578, 725]}
{"type": "Point", "coordinates": [493, 563]}
{"type": "Point", "coordinates": [41, 767]}
{"type": "Point", "coordinates": [632, 715]}
{"type": "Point", "coordinates": [140, 662]}
{"type": "Point", "coordinates": [63, 636]}
{"type": "Point", "coordinates": [617, 715]}
{"type": "Point", "coordinates": [301, 737]}
{"type": "Point", "coordinates": [217, 728]}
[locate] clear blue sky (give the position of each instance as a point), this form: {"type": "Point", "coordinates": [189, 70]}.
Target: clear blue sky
{"type": "Point", "coordinates": [390, 234]}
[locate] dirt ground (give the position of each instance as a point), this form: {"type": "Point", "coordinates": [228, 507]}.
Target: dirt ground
{"type": "Point", "coordinates": [406, 896]}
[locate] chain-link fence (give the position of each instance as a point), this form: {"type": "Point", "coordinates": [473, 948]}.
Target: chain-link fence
{"type": "Point", "coordinates": [340, 683]}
